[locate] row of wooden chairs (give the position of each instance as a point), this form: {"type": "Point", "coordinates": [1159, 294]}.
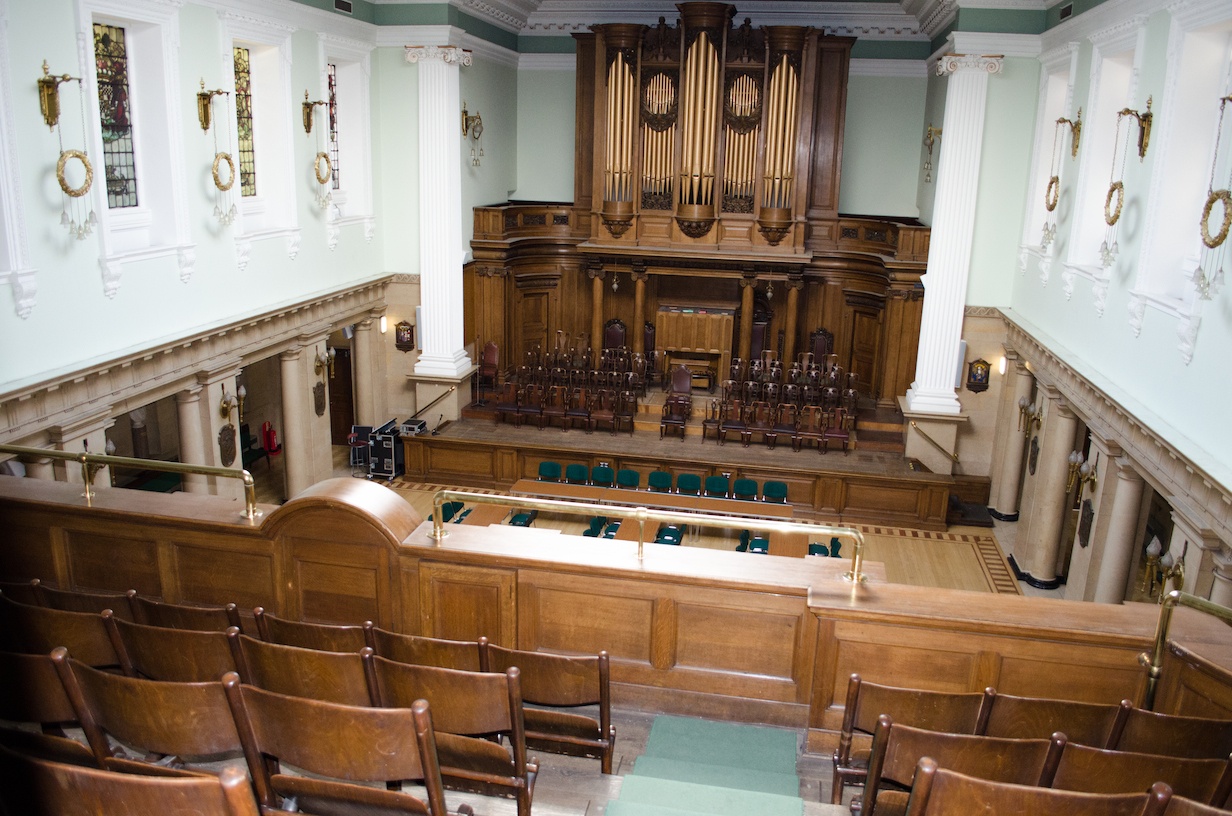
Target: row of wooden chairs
{"type": "Point", "coordinates": [770, 421]}
{"type": "Point", "coordinates": [1118, 727]}
{"type": "Point", "coordinates": [125, 605]}
{"type": "Point", "coordinates": [942, 792]}
{"type": "Point", "coordinates": [587, 407]}
{"type": "Point", "coordinates": [1054, 762]}
{"type": "Point", "coordinates": [561, 683]}
{"type": "Point", "coordinates": [828, 397]}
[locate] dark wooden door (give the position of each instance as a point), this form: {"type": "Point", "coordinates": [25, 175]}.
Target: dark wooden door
{"type": "Point", "coordinates": [341, 399]}
{"type": "Point", "coordinates": [865, 339]}
{"type": "Point", "coordinates": [534, 308]}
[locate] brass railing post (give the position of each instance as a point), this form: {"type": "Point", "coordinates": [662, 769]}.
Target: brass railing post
{"type": "Point", "coordinates": [1154, 662]}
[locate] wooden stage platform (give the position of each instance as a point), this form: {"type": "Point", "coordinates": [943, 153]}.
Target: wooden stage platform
{"type": "Point", "coordinates": [861, 487]}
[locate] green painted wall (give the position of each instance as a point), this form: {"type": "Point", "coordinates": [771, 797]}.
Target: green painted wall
{"type": "Point", "coordinates": [934, 114]}
{"type": "Point", "coordinates": [545, 135]}
{"type": "Point", "coordinates": [885, 116]}
{"type": "Point", "coordinates": [1009, 131]}
{"type": "Point", "coordinates": [395, 136]}
{"type": "Point", "coordinates": [490, 90]}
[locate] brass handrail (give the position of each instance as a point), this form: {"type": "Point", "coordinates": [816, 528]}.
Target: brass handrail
{"type": "Point", "coordinates": [934, 442]}
{"type": "Point", "coordinates": [1154, 662]}
{"type": "Point", "coordinates": [643, 514]}
{"type": "Point", "coordinates": [91, 463]}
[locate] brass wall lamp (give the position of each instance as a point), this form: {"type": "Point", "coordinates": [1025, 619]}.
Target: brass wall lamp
{"type": "Point", "coordinates": [1075, 131]}
{"type": "Point", "coordinates": [204, 105]}
{"type": "Point", "coordinates": [49, 94]}
{"type": "Point", "coordinates": [1144, 120]}
{"type": "Point", "coordinates": [931, 137]}
{"type": "Point", "coordinates": [308, 107]}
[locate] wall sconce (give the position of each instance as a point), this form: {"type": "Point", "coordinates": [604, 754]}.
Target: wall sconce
{"type": "Point", "coordinates": [205, 104]}
{"type": "Point", "coordinates": [384, 324]}
{"type": "Point", "coordinates": [1075, 132]}
{"type": "Point", "coordinates": [307, 108]}
{"type": "Point", "coordinates": [82, 220]}
{"type": "Point", "coordinates": [232, 401]}
{"type": "Point", "coordinates": [1144, 125]}
{"type": "Point", "coordinates": [1081, 472]}
{"type": "Point", "coordinates": [1001, 366]}
{"type": "Point", "coordinates": [1210, 256]}
{"type": "Point", "coordinates": [1029, 414]}
{"type": "Point", "coordinates": [931, 137]}
{"type": "Point", "coordinates": [1160, 569]}
{"type": "Point", "coordinates": [325, 361]}
{"type": "Point", "coordinates": [1052, 193]}
{"type": "Point", "coordinates": [472, 126]}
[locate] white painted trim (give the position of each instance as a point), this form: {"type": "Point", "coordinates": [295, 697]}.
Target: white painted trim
{"type": "Point", "coordinates": [1004, 5]}
{"type": "Point", "coordinates": [1005, 45]}
{"type": "Point", "coordinates": [15, 266]}
{"type": "Point", "coordinates": [345, 50]}
{"type": "Point", "coordinates": [547, 62]}
{"type": "Point", "coordinates": [403, 36]}
{"type": "Point", "coordinates": [889, 68]}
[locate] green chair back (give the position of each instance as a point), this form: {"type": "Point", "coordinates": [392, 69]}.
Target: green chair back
{"type": "Point", "coordinates": [630, 479]}
{"type": "Point", "coordinates": [690, 484]}
{"type": "Point", "coordinates": [602, 476]}
{"type": "Point", "coordinates": [759, 545]}
{"type": "Point", "coordinates": [549, 471]}
{"type": "Point", "coordinates": [575, 474]}
{"type": "Point", "coordinates": [660, 481]}
{"type": "Point", "coordinates": [816, 548]}
{"type": "Point", "coordinates": [717, 486]}
{"type": "Point", "coordinates": [744, 489]}
{"type": "Point", "coordinates": [774, 492]}
{"type": "Point", "coordinates": [835, 546]}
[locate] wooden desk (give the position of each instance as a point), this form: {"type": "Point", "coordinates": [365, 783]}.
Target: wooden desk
{"type": "Point", "coordinates": [557, 490]}
{"type": "Point", "coordinates": [648, 498]}
{"type": "Point", "coordinates": [481, 515]}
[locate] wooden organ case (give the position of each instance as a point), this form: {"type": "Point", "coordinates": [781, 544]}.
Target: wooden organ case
{"type": "Point", "coordinates": [706, 182]}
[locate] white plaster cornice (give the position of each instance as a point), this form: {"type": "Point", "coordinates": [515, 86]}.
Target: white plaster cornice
{"type": "Point", "coordinates": [889, 68]}
{"type": "Point", "coordinates": [1000, 45]}
{"type": "Point", "coordinates": [547, 62]}
{"type": "Point", "coordinates": [442, 36]}
{"type": "Point", "coordinates": [1171, 462]}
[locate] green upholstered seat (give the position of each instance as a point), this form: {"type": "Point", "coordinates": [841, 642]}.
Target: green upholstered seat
{"type": "Point", "coordinates": [576, 474]}
{"type": "Point", "coordinates": [628, 479]}
{"type": "Point", "coordinates": [602, 476]}
{"type": "Point", "coordinates": [689, 484]}
{"type": "Point", "coordinates": [835, 546]}
{"type": "Point", "coordinates": [549, 471]}
{"type": "Point", "coordinates": [817, 548]}
{"type": "Point", "coordinates": [717, 486]}
{"type": "Point", "coordinates": [660, 481]}
{"type": "Point", "coordinates": [759, 545]}
{"type": "Point", "coordinates": [744, 489]}
{"type": "Point", "coordinates": [524, 518]}
{"type": "Point", "coordinates": [774, 492]}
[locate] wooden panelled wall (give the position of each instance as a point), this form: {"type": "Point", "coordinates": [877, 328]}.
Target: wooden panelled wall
{"type": "Point", "coordinates": [532, 276]}
{"type": "Point", "coordinates": [703, 632]}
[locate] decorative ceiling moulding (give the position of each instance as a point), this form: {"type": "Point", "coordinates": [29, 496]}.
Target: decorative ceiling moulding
{"type": "Point", "coordinates": [1099, 19]}
{"type": "Point", "coordinates": [547, 62]}
{"type": "Point", "coordinates": [298, 15]}
{"type": "Point", "coordinates": [1168, 470]}
{"type": "Point", "coordinates": [1061, 57]}
{"type": "Point", "coordinates": [441, 36]}
{"type": "Point", "coordinates": [15, 268]}
{"type": "Point", "coordinates": [27, 412]}
{"type": "Point", "coordinates": [1002, 45]}
{"type": "Point", "coordinates": [1119, 38]}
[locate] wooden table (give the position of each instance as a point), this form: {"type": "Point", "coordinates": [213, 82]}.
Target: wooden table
{"type": "Point", "coordinates": [481, 515]}
{"type": "Point", "coordinates": [557, 490]}
{"type": "Point", "coordinates": [649, 498]}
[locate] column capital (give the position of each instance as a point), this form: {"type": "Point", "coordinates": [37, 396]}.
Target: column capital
{"type": "Point", "coordinates": [749, 280]}
{"type": "Point", "coordinates": [190, 394]}
{"type": "Point", "coordinates": [954, 63]}
{"type": "Point", "coordinates": [1125, 469]}
{"type": "Point", "coordinates": [293, 353]}
{"type": "Point", "coordinates": [79, 427]}
{"type": "Point", "coordinates": [448, 54]}
{"type": "Point", "coordinates": [595, 271]}
{"type": "Point", "coordinates": [364, 324]}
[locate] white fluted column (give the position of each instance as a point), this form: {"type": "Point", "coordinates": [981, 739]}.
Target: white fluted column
{"type": "Point", "coordinates": [1118, 551]}
{"type": "Point", "coordinates": [441, 249]}
{"type": "Point", "coordinates": [363, 343]}
{"type": "Point", "coordinates": [1009, 486]}
{"type": "Point", "coordinates": [1039, 552]}
{"type": "Point", "coordinates": [192, 437]}
{"type": "Point", "coordinates": [949, 254]}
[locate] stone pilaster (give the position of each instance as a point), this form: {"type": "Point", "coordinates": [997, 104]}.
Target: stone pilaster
{"type": "Point", "coordinates": [1009, 482]}
{"type": "Point", "coordinates": [1036, 556]}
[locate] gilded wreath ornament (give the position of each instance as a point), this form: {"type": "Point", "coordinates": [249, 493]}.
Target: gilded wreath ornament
{"type": "Point", "coordinates": [1115, 189]}
{"type": "Point", "coordinates": [1224, 197]}
{"type": "Point", "coordinates": [1052, 194]}
{"type": "Point", "coordinates": [74, 192]}
{"type": "Point", "coordinates": [322, 177]}
{"type": "Point", "coordinates": [219, 159]}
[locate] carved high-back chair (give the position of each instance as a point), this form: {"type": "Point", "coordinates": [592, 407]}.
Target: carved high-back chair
{"type": "Point", "coordinates": [682, 380]}
{"type": "Point", "coordinates": [614, 334]}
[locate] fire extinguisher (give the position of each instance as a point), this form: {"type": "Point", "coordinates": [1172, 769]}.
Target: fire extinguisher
{"type": "Point", "coordinates": [271, 438]}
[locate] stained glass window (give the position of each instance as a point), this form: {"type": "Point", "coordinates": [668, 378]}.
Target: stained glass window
{"type": "Point", "coordinates": [243, 120]}
{"type": "Point", "coordinates": [119, 156]}
{"type": "Point", "coordinates": [332, 73]}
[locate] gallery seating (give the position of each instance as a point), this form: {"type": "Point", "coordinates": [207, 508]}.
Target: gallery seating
{"type": "Point", "coordinates": [38, 629]}
{"type": "Point", "coordinates": [335, 677]}
{"type": "Point", "coordinates": [178, 655]}
{"type": "Point", "coordinates": [34, 695]}
{"type": "Point", "coordinates": [555, 686]}
{"type": "Point", "coordinates": [1037, 718]}
{"type": "Point", "coordinates": [427, 651]}
{"type": "Point", "coordinates": [1098, 770]}
{"type": "Point", "coordinates": [38, 787]}
{"type": "Point", "coordinates": [276, 728]}
{"type": "Point", "coordinates": [184, 616]}
{"type": "Point", "coordinates": [659, 481]}
{"type": "Point", "coordinates": [939, 792]}
{"type": "Point", "coordinates": [320, 636]}
{"type": "Point", "coordinates": [73, 600]}
{"type": "Point", "coordinates": [1178, 736]}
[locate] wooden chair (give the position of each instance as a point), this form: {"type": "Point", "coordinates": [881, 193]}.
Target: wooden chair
{"type": "Point", "coordinates": [182, 616]}
{"type": "Point", "coordinates": [366, 745]}
{"type": "Point", "coordinates": [811, 425]}
{"type": "Point", "coordinates": [682, 381]}
{"type": "Point", "coordinates": [27, 592]}
{"type": "Point", "coordinates": [603, 410]}
{"type": "Point", "coordinates": [675, 417]}
{"type": "Point", "coordinates": [334, 677]}
{"type": "Point", "coordinates": [955, 712]}
{"type": "Point", "coordinates": [34, 695]}
{"type": "Point", "coordinates": [175, 655]}
{"type": "Point", "coordinates": [467, 706]}
{"type": "Point", "coordinates": [554, 684]}
{"type": "Point", "coordinates": [37, 787]}
{"type": "Point", "coordinates": [72, 600]}
{"type": "Point", "coordinates": [39, 629]}
{"type": "Point", "coordinates": [838, 428]}
{"type": "Point", "coordinates": [898, 748]}
{"type": "Point", "coordinates": [784, 422]}
{"type": "Point", "coordinates": [1097, 770]}
{"type": "Point", "coordinates": [426, 651]}
{"type": "Point", "coordinates": [555, 404]}
{"type": "Point", "coordinates": [939, 792]}
{"type": "Point", "coordinates": [578, 409]}
{"type": "Point", "coordinates": [711, 421]}
{"type": "Point", "coordinates": [320, 636]}
{"type": "Point", "coordinates": [1180, 806]}
{"type": "Point", "coordinates": [168, 721]}
{"type": "Point", "coordinates": [531, 404]}
{"type": "Point", "coordinates": [1171, 735]}
{"type": "Point", "coordinates": [761, 422]}
{"type": "Point", "coordinates": [507, 402]}
{"type": "Point", "coordinates": [626, 411]}
{"type": "Point", "coordinates": [1037, 717]}
{"type": "Point", "coordinates": [732, 418]}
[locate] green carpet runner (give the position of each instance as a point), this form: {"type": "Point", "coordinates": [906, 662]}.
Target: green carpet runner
{"type": "Point", "coordinates": [699, 766]}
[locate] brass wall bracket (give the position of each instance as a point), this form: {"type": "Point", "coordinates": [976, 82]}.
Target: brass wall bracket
{"type": "Point", "coordinates": [1075, 129]}
{"type": "Point", "coordinates": [204, 98]}
{"type": "Point", "coordinates": [49, 94]}
{"type": "Point", "coordinates": [307, 109]}
{"type": "Point", "coordinates": [1144, 120]}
